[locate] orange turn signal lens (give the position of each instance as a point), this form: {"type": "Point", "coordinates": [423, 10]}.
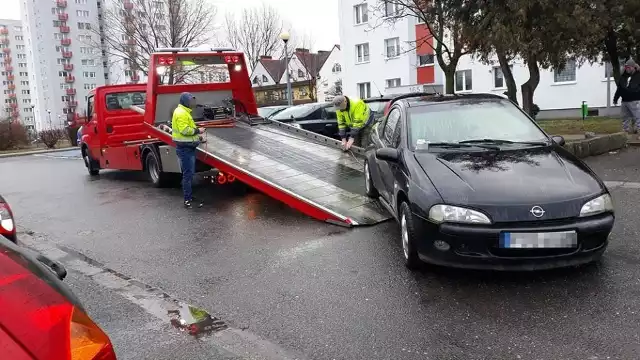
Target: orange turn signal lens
{"type": "Point", "coordinates": [88, 341]}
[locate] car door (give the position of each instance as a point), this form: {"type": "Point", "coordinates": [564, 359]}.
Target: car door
{"type": "Point", "coordinates": [90, 129]}
{"type": "Point", "coordinates": [389, 137]}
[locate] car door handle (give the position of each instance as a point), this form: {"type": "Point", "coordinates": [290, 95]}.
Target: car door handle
{"type": "Point", "coordinates": [109, 128]}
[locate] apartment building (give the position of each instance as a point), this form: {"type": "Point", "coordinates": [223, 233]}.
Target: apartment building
{"type": "Point", "coordinates": [15, 96]}
{"type": "Point", "coordinates": [383, 58]}
{"type": "Point", "coordinates": [64, 64]}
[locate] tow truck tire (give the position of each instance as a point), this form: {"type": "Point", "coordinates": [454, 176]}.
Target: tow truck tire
{"type": "Point", "coordinates": [92, 166]}
{"type": "Point", "coordinates": [157, 177]}
{"type": "Point", "coordinates": [370, 189]}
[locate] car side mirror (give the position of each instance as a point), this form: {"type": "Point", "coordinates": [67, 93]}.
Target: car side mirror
{"type": "Point", "coordinates": [388, 154]}
{"type": "Point", "coordinates": [558, 140]}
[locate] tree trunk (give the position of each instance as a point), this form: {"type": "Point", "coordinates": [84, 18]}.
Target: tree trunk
{"type": "Point", "coordinates": [449, 80]}
{"type": "Point", "coordinates": [611, 47]}
{"type": "Point", "coordinates": [512, 89]}
{"type": "Point", "coordinates": [529, 87]}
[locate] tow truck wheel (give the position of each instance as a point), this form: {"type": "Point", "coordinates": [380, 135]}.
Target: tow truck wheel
{"type": "Point", "coordinates": [370, 190]}
{"type": "Point", "coordinates": [158, 177]}
{"type": "Point", "coordinates": [92, 166]}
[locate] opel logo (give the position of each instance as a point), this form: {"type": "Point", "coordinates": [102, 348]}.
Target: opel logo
{"type": "Point", "coordinates": [537, 211]}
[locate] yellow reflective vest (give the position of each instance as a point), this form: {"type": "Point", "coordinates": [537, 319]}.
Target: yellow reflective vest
{"type": "Point", "coordinates": [183, 127]}
{"type": "Point", "coordinates": [354, 117]}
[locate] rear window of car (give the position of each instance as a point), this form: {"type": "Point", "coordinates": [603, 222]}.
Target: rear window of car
{"type": "Point", "coordinates": [470, 120]}
{"type": "Point", "coordinates": [123, 100]}
{"type": "Point", "coordinates": [377, 106]}
{"type": "Point", "coordinates": [296, 111]}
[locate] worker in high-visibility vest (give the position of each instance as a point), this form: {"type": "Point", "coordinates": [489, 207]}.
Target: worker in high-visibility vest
{"type": "Point", "coordinates": [355, 121]}
{"type": "Point", "coordinates": [186, 136]}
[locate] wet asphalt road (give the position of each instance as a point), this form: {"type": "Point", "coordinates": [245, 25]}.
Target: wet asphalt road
{"type": "Point", "coordinates": [324, 291]}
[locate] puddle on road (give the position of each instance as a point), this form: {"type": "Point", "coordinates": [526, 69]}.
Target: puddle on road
{"type": "Point", "coordinates": [194, 320]}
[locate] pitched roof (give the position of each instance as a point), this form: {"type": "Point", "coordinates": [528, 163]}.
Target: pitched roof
{"type": "Point", "coordinates": [315, 62]}
{"type": "Point", "coordinates": [275, 67]}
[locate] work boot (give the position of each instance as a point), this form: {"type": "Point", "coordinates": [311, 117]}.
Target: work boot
{"type": "Point", "coordinates": [187, 204]}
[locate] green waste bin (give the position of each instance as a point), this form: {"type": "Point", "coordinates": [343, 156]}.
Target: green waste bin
{"type": "Point", "coordinates": [585, 110]}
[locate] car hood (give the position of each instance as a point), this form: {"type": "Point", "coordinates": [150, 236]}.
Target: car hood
{"type": "Point", "coordinates": [507, 184]}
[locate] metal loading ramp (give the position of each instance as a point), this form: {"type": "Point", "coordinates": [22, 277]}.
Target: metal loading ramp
{"type": "Point", "coordinates": [319, 180]}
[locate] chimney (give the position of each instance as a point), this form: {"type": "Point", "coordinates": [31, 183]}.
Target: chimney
{"type": "Point", "coordinates": [265, 57]}
{"type": "Point", "coordinates": [323, 52]}
{"type": "Point", "coordinates": [302, 50]}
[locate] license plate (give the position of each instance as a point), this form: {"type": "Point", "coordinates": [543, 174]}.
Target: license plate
{"type": "Point", "coordinates": [550, 240]}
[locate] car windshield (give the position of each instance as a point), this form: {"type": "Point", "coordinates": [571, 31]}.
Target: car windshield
{"type": "Point", "coordinates": [377, 106]}
{"type": "Point", "coordinates": [471, 120]}
{"type": "Point", "coordinates": [266, 111]}
{"type": "Point", "coordinates": [295, 111]}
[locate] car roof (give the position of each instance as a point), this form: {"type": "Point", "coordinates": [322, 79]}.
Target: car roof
{"type": "Point", "coordinates": [429, 99]}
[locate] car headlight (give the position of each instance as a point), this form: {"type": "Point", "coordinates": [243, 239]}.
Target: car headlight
{"type": "Point", "coordinates": [448, 213]}
{"type": "Point", "coordinates": [602, 203]}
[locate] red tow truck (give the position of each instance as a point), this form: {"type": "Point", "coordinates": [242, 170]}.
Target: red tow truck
{"type": "Point", "coordinates": [128, 128]}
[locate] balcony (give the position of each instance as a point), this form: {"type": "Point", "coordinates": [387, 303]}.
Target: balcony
{"type": "Point", "coordinates": [11, 86]}
{"type": "Point", "coordinates": [65, 29]}
{"type": "Point", "coordinates": [129, 19]}
{"type": "Point", "coordinates": [67, 67]}
{"type": "Point", "coordinates": [131, 42]}
{"type": "Point", "coordinates": [61, 3]}
{"type": "Point", "coordinates": [4, 40]}
{"type": "Point", "coordinates": [14, 105]}
{"type": "Point", "coordinates": [67, 54]}
{"type": "Point", "coordinates": [72, 104]}
{"type": "Point", "coordinates": [63, 17]}
{"type": "Point", "coordinates": [8, 67]}
{"type": "Point", "coordinates": [128, 5]}
{"type": "Point", "coordinates": [71, 91]}
{"type": "Point", "coordinates": [65, 42]}
{"type": "Point", "coordinates": [10, 77]}
{"type": "Point", "coordinates": [6, 50]}
{"type": "Point", "coordinates": [12, 96]}
{"type": "Point", "coordinates": [4, 31]}
{"type": "Point", "coordinates": [135, 77]}
{"type": "Point", "coordinates": [70, 79]}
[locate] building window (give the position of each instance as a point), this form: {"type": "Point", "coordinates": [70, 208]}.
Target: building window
{"type": "Point", "coordinates": [498, 77]}
{"type": "Point", "coordinates": [82, 13]}
{"type": "Point", "coordinates": [336, 68]}
{"type": "Point", "coordinates": [19, 38]}
{"type": "Point", "coordinates": [391, 83]}
{"type": "Point", "coordinates": [264, 78]}
{"type": "Point", "coordinates": [361, 14]}
{"type": "Point", "coordinates": [419, 20]}
{"type": "Point", "coordinates": [392, 47]}
{"type": "Point", "coordinates": [390, 9]}
{"type": "Point", "coordinates": [425, 60]}
{"type": "Point", "coordinates": [88, 62]}
{"type": "Point", "coordinates": [300, 73]}
{"type": "Point", "coordinates": [362, 53]}
{"type": "Point", "coordinates": [255, 80]}
{"type": "Point", "coordinates": [568, 74]}
{"type": "Point", "coordinates": [364, 90]}
{"type": "Point", "coordinates": [463, 80]}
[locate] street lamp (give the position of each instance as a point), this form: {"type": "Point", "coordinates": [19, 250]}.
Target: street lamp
{"type": "Point", "coordinates": [285, 38]}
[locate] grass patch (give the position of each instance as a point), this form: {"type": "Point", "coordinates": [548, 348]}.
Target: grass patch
{"type": "Point", "coordinates": [63, 144]}
{"type": "Point", "coordinates": [598, 125]}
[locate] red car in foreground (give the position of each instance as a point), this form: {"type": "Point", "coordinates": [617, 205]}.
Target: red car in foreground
{"type": "Point", "coordinates": [40, 319]}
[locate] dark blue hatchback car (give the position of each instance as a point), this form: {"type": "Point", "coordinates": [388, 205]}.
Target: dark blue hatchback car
{"type": "Point", "coordinates": [474, 182]}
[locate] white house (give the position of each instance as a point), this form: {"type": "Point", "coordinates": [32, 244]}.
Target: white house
{"type": "Point", "coordinates": [267, 72]}
{"type": "Point", "coordinates": [329, 83]}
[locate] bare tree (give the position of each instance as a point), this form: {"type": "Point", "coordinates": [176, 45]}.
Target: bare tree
{"type": "Point", "coordinates": [255, 32]}
{"type": "Point", "coordinates": [131, 30]}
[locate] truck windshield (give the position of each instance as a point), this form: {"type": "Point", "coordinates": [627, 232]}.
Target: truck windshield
{"type": "Point", "coordinates": [195, 69]}
{"type": "Point", "coordinates": [124, 100]}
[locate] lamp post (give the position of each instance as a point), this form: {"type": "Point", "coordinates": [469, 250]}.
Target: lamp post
{"type": "Point", "coordinates": [50, 125]}
{"type": "Point", "coordinates": [285, 38]}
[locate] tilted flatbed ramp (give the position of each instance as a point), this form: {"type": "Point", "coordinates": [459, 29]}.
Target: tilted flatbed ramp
{"type": "Point", "coordinates": [321, 181]}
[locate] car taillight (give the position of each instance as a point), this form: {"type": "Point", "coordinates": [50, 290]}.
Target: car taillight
{"type": "Point", "coordinates": [7, 225]}
{"type": "Point", "coordinates": [44, 322]}
{"type": "Point", "coordinates": [88, 341]}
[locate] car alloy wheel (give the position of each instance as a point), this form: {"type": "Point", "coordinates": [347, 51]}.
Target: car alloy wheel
{"type": "Point", "coordinates": [405, 236]}
{"type": "Point", "coordinates": [370, 190]}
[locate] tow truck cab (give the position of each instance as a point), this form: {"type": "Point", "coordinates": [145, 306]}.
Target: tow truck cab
{"type": "Point", "coordinates": [117, 133]}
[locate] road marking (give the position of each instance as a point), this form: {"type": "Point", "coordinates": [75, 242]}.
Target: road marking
{"type": "Point", "coordinates": [156, 302]}
{"type": "Point", "coordinates": [622, 184]}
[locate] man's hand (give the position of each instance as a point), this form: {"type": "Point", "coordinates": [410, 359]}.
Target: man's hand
{"type": "Point", "coordinates": [344, 144]}
{"type": "Point", "coordinates": [349, 144]}
{"type": "Point", "coordinates": [201, 130]}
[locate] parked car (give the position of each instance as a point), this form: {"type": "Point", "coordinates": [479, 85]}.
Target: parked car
{"type": "Point", "coordinates": [40, 318]}
{"type": "Point", "coordinates": [268, 111]}
{"type": "Point", "coordinates": [379, 105]}
{"type": "Point", "coordinates": [316, 117]}
{"type": "Point", "coordinates": [7, 224]}
{"type": "Point", "coordinates": [475, 183]}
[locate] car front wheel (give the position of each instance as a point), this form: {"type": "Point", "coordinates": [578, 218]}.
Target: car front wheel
{"type": "Point", "coordinates": [408, 236]}
{"type": "Point", "coordinates": [370, 189]}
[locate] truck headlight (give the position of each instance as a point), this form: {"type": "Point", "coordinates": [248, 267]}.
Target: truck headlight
{"type": "Point", "coordinates": [599, 205]}
{"type": "Point", "coordinates": [448, 213]}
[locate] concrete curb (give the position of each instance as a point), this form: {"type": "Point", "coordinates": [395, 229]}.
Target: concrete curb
{"type": "Point", "coordinates": [34, 152]}
{"type": "Point", "coordinates": [600, 144]}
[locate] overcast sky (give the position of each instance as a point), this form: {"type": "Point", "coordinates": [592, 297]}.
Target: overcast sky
{"type": "Point", "coordinates": [318, 18]}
